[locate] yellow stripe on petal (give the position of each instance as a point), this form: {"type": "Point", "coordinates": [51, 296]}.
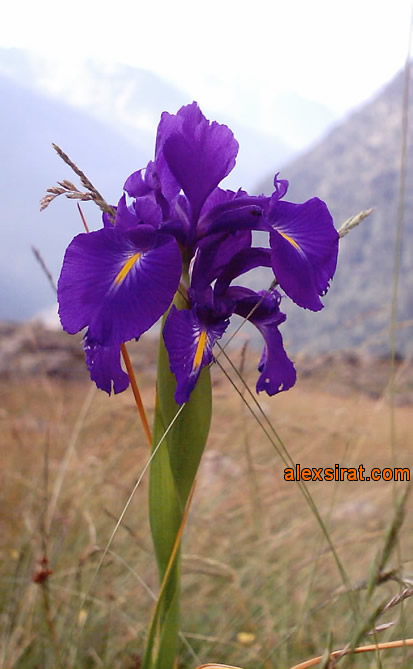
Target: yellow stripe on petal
{"type": "Point", "coordinates": [121, 276]}
{"type": "Point", "coordinates": [199, 351]}
{"type": "Point", "coordinates": [291, 240]}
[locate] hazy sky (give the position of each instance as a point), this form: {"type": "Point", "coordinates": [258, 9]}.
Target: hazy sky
{"type": "Point", "coordinates": [336, 52]}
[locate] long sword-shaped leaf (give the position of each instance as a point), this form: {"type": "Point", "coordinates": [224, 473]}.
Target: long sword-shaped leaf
{"type": "Point", "coordinates": [170, 626]}
{"type": "Point", "coordinates": [172, 476]}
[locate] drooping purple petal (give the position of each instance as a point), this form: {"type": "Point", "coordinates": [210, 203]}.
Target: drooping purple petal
{"type": "Point", "coordinates": [277, 370]}
{"type": "Point", "coordinates": [304, 246]}
{"type": "Point", "coordinates": [189, 343]}
{"type": "Point", "coordinates": [199, 154]}
{"type": "Point", "coordinates": [104, 366]}
{"type": "Point", "coordinates": [117, 283]}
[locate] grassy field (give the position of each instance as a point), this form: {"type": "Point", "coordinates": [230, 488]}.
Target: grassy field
{"type": "Point", "coordinates": [262, 585]}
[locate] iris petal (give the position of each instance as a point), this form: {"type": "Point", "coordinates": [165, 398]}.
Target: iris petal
{"type": "Point", "coordinates": [125, 216]}
{"type": "Point", "coordinates": [140, 183]}
{"type": "Point", "coordinates": [117, 283]}
{"type": "Point", "coordinates": [304, 246]}
{"type": "Point", "coordinates": [241, 211]}
{"type": "Point", "coordinates": [189, 343]}
{"type": "Point", "coordinates": [104, 366]}
{"type": "Point", "coordinates": [214, 254]}
{"type": "Point", "coordinates": [277, 370]}
{"type": "Point", "coordinates": [240, 263]}
{"type": "Point", "coordinates": [199, 154]}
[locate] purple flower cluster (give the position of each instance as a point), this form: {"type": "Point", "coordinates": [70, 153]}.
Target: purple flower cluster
{"type": "Point", "coordinates": [176, 229]}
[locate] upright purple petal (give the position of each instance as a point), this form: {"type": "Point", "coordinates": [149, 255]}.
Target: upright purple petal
{"type": "Point", "coordinates": [117, 283]}
{"type": "Point", "coordinates": [169, 124]}
{"type": "Point", "coordinates": [189, 343]}
{"type": "Point", "coordinates": [148, 211]}
{"type": "Point", "coordinates": [240, 263]}
{"type": "Point", "coordinates": [108, 220]}
{"type": "Point", "coordinates": [214, 253]}
{"type": "Point", "coordinates": [280, 187]}
{"type": "Point", "coordinates": [304, 246]}
{"type": "Point", "coordinates": [126, 218]}
{"type": "Point", "coordinates": [236, 211]}
{"type": "Point", "coordinates": [140, 183]}
{"type": "Point", "coordinates": [104, 366]}
{"type": "Point", "coordinates": [221, 196]}
{"type": "Point", "coordinates": [198, 153]}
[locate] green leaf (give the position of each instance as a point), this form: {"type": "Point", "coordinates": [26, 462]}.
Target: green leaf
{"type": "Point", "coordinates": [187, 437]}
{"type": "Point", "coordinates": [172, 475]}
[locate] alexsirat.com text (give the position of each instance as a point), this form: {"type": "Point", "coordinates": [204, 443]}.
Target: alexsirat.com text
{"type": "Point", "coordinates": [337, 473]}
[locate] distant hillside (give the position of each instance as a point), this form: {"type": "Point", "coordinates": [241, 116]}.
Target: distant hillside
{"type": "Point", "coordinates": [355, 167]}
{"type": "Point", "coordinates": [29, 123]}
{"type": "Point", "coordinates": [130, 101]}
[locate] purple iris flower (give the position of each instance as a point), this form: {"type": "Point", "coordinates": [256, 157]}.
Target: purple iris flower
{"type": "Point", "coordinates": [190, 334]}
{"type": "Point", "coordinates": [173, 220]}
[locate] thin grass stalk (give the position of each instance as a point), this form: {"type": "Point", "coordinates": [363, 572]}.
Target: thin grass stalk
{"type": "Point", "coordinates": [307, 599]}
{"type": "Point", "coordinates": [86, 594]}
{"type": "Point", "coordinates": [168, 575]}
{"type": "Point", "coordinates": [336, 654]}
{"type": "Point", "coordinates": [287, 460]}
{"type": "Point", "coordinates": [43, 572]}
{"type": "Point", "coordinates": [136, 393]}
{"type": "Point", "coordinates": [256, 507]}
{"type": "Point", "coordinates": [70, 450]}
{"type": "Point", "coordinates": [401, 203]}
{"type": "Point", "coordinates": [390, 543]}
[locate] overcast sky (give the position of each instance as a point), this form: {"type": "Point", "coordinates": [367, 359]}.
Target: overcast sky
{"type": "Point", "coordinates": [335, 52]}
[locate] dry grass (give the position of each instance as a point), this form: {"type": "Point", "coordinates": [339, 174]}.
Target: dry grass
{"type": "Point", "coordinates": [260, 584]}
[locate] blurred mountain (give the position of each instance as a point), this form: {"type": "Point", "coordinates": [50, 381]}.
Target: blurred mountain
{"type": "Point", "coordinates": [29, 123]}
{"type": "Point", "coordinates": [355, 167]}
{"type": "Point", "coordinates": [298, 120]}
{"type": "Point", "coordinates": [130, 101]}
